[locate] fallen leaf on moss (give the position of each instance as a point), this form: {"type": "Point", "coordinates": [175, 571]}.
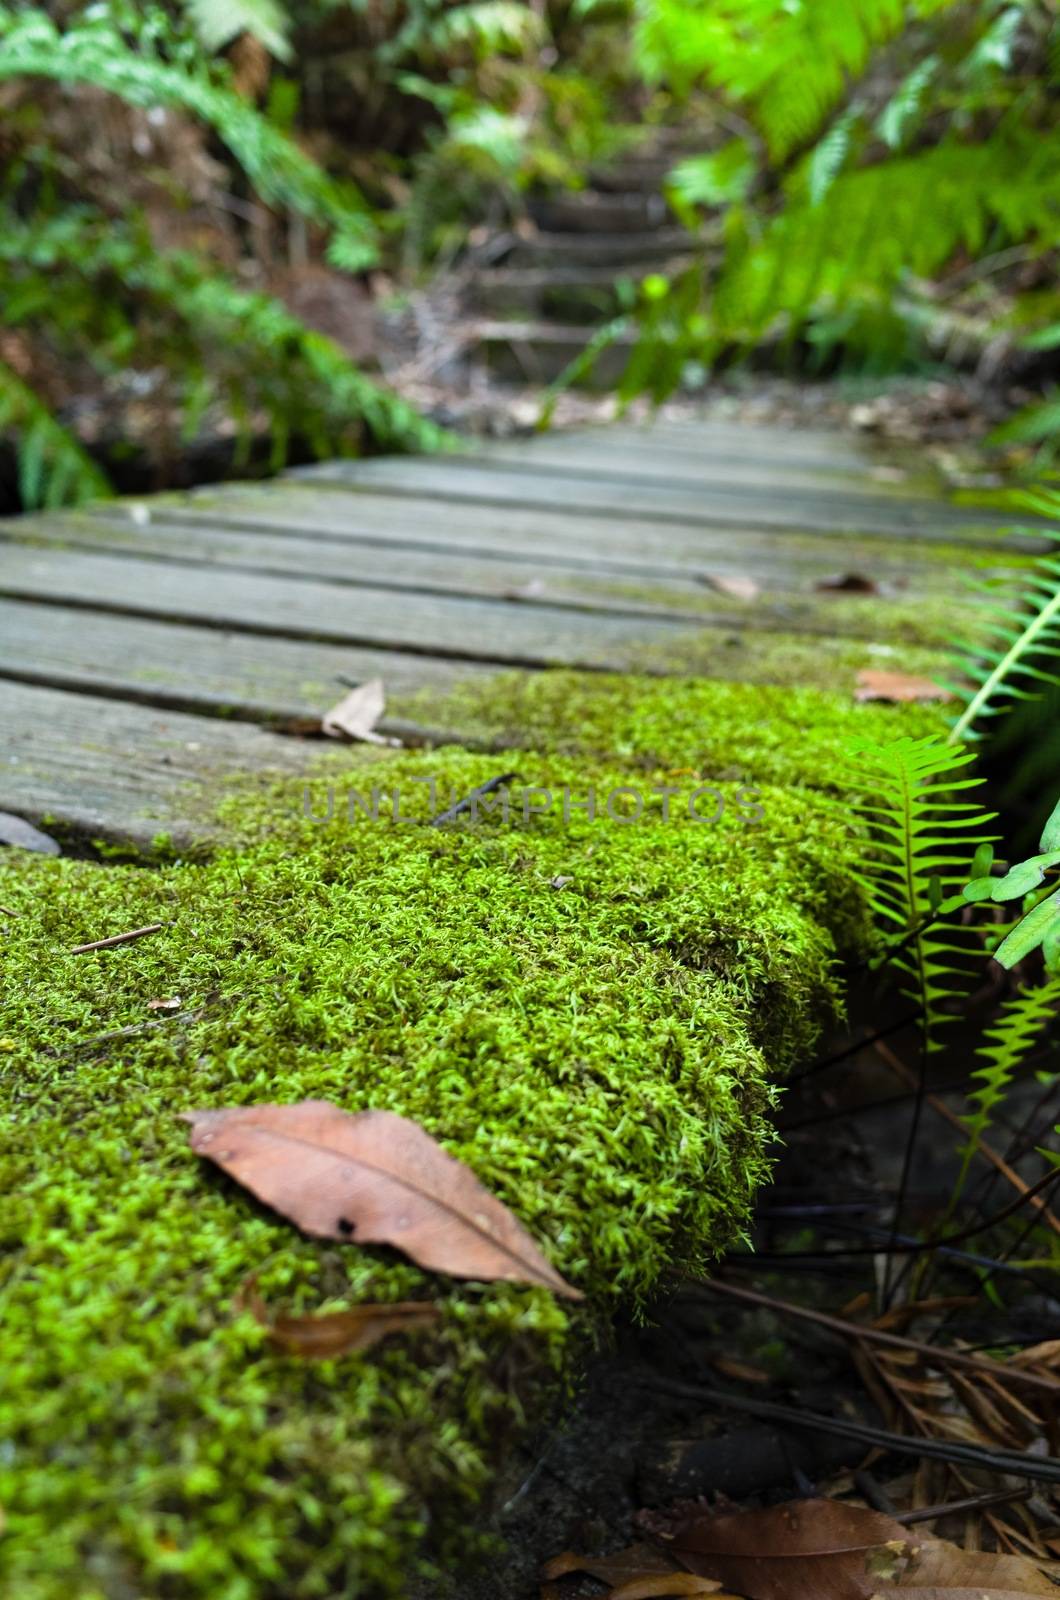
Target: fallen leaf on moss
{"type": "Point", "coordinates": [805, 1550]}
{"type": "Point", "coordinates": [875, 684]}
{"type": "Point", "coordinates": [375, 1177]}
{"type": "Point", "coordinates": [938, 1570]}
{"type": "Point", "coordinates": [340, 1333]}
{"type": "Point", "coordinates": [171, 1002]}
{"type": "Point", "coordinates": [357, 713]}
{"type": "Point", "coordinates": [639, 1573]}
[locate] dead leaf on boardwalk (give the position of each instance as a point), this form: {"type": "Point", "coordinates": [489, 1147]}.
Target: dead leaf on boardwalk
{"type": "Point", "coordinates": [874, 684]}
{"type": "Point", "coordinates": [375, 1177]}
{"type": "Point", "coordinates": [805, 1550]}
{"type": "Point", "coordinates": [639, 1573]}
{"type": "Point", "coordinates": [340, 1333]}
{"type": "Point", "coordinates": [938, 1570]}
{"type": "Point", "coordinates": [848, 583]}
{"type": "Point", "coordinates": [357, 713]}
{"type": "Point", "coordinates": [736, 587]}
{"type": "Point", "coordinates": [24, 836]}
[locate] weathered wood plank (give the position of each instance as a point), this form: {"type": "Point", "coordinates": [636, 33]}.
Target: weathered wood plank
{"type": "Point", "coordinates": [528, 579]}
{"type": "Point", "coordinates": [104, 768]}
{"type": "Point", "coordinates": [522, 578]}
{"type": "Point", "coordinates": [501, 632]}
{"type": "Point", "coordinates": [649, 456]}
{"type": "Point", "coordinates": [697, 505]}
{"type": "Point", "coordinates": [205, 669]}
{"type": "Point", "coordinates": [549, 538]}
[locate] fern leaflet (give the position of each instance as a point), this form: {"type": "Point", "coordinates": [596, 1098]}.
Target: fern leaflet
{"type": "Point", "coordinates": [921, 841]}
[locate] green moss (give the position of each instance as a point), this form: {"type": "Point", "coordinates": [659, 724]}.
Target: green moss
{"type": "Point", "coordinates": [601, 1053]}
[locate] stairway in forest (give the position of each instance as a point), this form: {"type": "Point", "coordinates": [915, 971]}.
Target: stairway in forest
{"type": "Point", "coordinates": [576, 265]}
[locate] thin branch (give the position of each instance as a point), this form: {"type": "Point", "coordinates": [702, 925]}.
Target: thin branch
{"type": "Point", "coordinates": [116, 939]}
{"type": "Point", "coordinates": [930, 1354]}
{"type": "Point", "coordinates": [1016, 1463]}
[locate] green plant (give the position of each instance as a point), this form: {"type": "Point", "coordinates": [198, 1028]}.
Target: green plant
{"type": "Point", "coordinates": [918, 856]}
{"type": "Point", "coordinates": [1040, 924]}
{"type": "Point", "coordinates": [873, 145]}
{"type": "Point", "coordinates": [1011, 661]}
{"type": "Point", "coordinates": [1017, 1030]}
{"type": "Point", "coordinates": [83, 280]}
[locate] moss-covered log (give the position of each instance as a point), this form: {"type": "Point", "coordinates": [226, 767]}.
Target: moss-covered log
{"type": "Point", "coordinates": [591, 1013]}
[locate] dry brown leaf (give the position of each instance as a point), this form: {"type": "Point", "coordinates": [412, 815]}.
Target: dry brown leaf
{"type": "Point", "coordinates": [357, 713]}
{"type": "Point", "coordinates": [171, 1002]}
{"type": "Point", "coordinates": [1045, 1355]}
{"type": "Point", "coordinates": [678, 1583]}
{"type": "Point", "coordinates": [938, 1570]}
{"type": "Point", "coordinates": [639, 1573]}
{"type": "Point", "coordinates": [805, 1550]}
{"type": "Point", "coordinates": [876, 684]}
{"type": "Point", "coordinates": [848, 583]}
{"type": "Point", "coordinates": [736, 587]}
{"type": "Point", "coordinates": [339, 1333]}
{"type": "Point", "coordinates": [375, 1177]}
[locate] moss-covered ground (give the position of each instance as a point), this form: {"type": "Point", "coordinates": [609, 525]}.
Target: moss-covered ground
{"type": "Point", "coordinates": [592, 1013]}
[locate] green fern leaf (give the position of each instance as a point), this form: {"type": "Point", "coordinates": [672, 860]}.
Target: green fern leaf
{"type": "Point", "coordinates": [1018, 1029]}
{"type": "Point", "coordinates": [53, 468]}
{"type": "Point", "coordinates": [1013, 657]}
{"type": "Point", "coordinates": [919, 855]}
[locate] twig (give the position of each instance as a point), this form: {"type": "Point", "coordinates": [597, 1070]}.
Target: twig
{"type": "Point", "coordinates": [1016, 1462]}
{"type": "Point", "coordinates": [6, 911]}
{"type": "Point", "coordinates": [852, 1049]}
{"type": "Point", "coordinates": [930, 1354]}
{"type": "Point", "coordinates": [470, 800]}
{"type": "Point", "coordinates": [137, 1029]}
{"type": "Point", "coordinates": [116, 939]}
{"type": "Point", "coordinates": [987, 1151]}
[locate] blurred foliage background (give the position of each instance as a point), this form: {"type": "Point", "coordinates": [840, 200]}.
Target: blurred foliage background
{"type": "Point", "coordinates": [203, 201]}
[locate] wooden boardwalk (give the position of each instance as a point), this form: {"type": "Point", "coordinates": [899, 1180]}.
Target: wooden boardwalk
{"type": "Point", "coordinates": [148, 647]}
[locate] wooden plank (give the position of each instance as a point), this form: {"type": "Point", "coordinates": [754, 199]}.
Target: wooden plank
{"type": "Point", "coordinates": [522, 578]}
{"type": "Point", "coordinates": [528, 579]}
{"type": "Point", "coordinates": [504, 633]}
{"type": "Point", "coordinates": [644, 456]}
{"type": "Point", "coordinates": [639, 549]}
{"type": "Point", "coordinates": [107, 769]}
{"type": "Point", "coordinates": [688, 504]}
{"type": "Point", "coordinates": [206, 669]}
{"type": "Point", "coordinates": [764, 441]}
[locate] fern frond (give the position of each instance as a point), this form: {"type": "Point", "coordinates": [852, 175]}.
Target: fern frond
{"type": "Point", "coordinates": [1020, 1025]}
{"type": "Point", "coordinates": [53, 468]}
{"type": "Point", "coordinates": [828, 156]}
{"type": "Point", "coordinates": [935, 202]}
{"type": "Point", "coordinates": [902, 110]}
{"type": "Point", "coordinates": [1012, 658]}
{"type": "Point", "coordinates": [920, 848]}
{"type": "Point", "coordinates": [788, 68]}
{"type": "Point", "coordinates": [245, 345]}
{"type": "Point", "coordinates": [93, 51]}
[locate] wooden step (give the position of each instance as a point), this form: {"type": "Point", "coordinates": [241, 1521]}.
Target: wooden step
{"type": "Point", "coordinates": [584, 211]}
{"type": "Point", "coordinates": [564, 295]}
{"type": "Point", "coordinates": [629, 250]}
{"type": "Point", "coordinates": [539, 352]}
